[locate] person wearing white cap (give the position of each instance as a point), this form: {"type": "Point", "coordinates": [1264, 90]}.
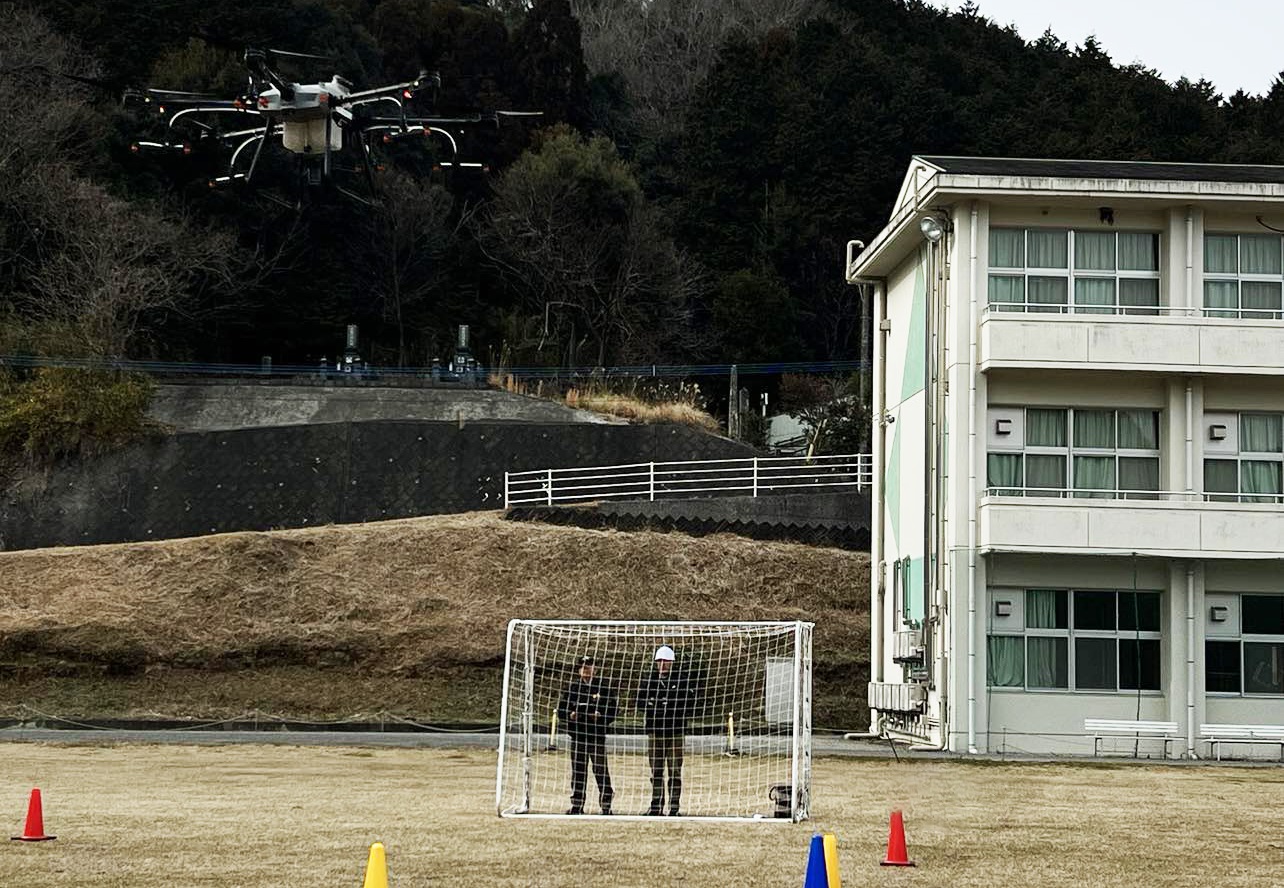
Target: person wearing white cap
{"type": "Point", "coordinates": [667, 698]}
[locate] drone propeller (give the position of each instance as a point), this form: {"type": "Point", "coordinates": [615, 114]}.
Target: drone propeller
{"type": "Point", "coordinates": [298, 55]}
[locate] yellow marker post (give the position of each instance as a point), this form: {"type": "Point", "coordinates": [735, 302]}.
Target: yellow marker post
{"type": "Point", "coordinates": [552, 732]}
{"type": "Point", "coordinates": [831, 861]}
{"type": "Point", "coordinates": [376, 868]}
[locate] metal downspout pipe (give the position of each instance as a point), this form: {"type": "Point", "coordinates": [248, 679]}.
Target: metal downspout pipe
{"type": "Point", "coordinates": [971, 486]}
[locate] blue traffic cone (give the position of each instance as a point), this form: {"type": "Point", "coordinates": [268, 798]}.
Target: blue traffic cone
{"type": "Point", "coordinates": [816, 875]}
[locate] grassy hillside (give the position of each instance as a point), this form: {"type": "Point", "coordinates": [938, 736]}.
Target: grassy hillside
{"type": "Point", "coordinates": [404, 617]}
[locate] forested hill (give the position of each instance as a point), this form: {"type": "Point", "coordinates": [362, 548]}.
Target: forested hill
{"type": "Point", "coordinates": [685, 197]}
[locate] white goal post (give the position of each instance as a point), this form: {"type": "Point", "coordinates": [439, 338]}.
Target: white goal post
{"type": "Point", "coordinates": [728, 715]}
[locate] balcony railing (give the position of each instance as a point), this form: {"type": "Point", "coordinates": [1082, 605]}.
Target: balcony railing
{"type": "Point", "coordinates": [1192, 311]}
{"type": "Point", "coordinates": [1179, 496]}
{"type": "Point", "coordinates": [711, 477]}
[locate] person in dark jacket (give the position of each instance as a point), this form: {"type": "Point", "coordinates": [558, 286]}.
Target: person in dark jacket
{"type": "Point", "coordinates": [667, 699]}
{"type": "Point", "coordinates": [587, 707]}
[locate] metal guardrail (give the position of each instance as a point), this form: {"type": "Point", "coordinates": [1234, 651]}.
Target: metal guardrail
{"type": "Point", "coordinates": [755, 476]}
{"type": "Point", "coordinates": [1083, 308]}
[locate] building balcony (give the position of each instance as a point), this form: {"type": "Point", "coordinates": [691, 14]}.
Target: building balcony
{"type": "Point", "coordinates": [1164, 340]}
{"type": "Point", "coordinates": [1164, 523]}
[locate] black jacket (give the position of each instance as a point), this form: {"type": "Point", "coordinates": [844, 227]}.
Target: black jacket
{"type": "Point", "coordinates": [668, 702]}
{"type": "Point", "coordinates": [583, 699]}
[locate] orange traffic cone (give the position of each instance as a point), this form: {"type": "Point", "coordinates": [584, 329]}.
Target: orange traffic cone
{"type": "Point", "coordinates": [896, 854]}
{"type": "Point", "coordinates": [34, 831]}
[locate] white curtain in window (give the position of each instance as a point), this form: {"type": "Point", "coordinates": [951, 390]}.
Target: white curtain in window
{"type": "Point", "coordinates": [1261, 433]}
{"type": "Point", "coordinates": [1005, 661]}
{"type": "Point", "coordinates": [1262, 296]}
{"type": "Point", "coordinates": [1094, 250]}
{"type": "Point", "coordinates": [1138, 252]}
{"type": "Point", "coordinates": [1045, 428]}
{"type": "Point", "coordinates": [1094, 473]}
{"type": "Point", "coordinates": [1219, 254]}
{"type": "Point", "coordinates": [1138, 292]}
{"type": "Point", "coordinates": [1007, 248]}
{"type": "Point", "coordinates": [1048, 249]}
{"type": "Point", "coordinates": [1094, 292]}
{"type": "Point", "coordinates": [1221, 299]}
{"type": "Point", "coordinates": [1094, 428]}
{"type": "Point", "coordinates": [1138, 430]}
{"type": "Point", "coordinates": [1259, 254]}
{"type": "Point", "coordinates": [1047, 291]}
{"type": "Point", "coordinates": [1006, 288]}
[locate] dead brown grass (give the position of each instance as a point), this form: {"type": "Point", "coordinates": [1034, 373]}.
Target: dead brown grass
{"type": "Point", "coordinates": [261, 817]}
{"type": "Point", "coordinates": [641, 411]}
{"type": "Point", "coordinates": [407, 616]}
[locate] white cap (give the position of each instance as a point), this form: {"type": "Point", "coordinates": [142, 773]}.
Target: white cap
{"type": "Point", "coordinates": [664, 652]}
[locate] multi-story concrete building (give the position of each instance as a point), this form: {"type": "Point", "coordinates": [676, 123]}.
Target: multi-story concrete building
{"type": "Point", "coordinates": [1079, 454]}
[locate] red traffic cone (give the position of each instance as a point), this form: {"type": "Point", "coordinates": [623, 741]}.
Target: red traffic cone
{"type": "Point", "coordinates": [896, 854]}
{"type": "Point", "coordinates": [34, 831]}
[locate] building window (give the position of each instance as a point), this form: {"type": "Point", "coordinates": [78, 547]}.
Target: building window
{"type": "Point", "coordinates": [1064, 270]}
{"type": "Point", "coordinates": [1243, 275]}
{"type": "Point", "coordinates": [1082, 639]}
{"type": "Point", "coordinates": [1080, 452]}
{"type": "Point", "coordinates": [1244, 457]}
{"type": "Point", "coordinates": [1252, 660]}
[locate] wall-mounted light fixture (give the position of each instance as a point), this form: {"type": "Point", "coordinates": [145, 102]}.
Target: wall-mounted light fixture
{"type": "Point", "coordinates": [1003, 608]}
{"type": "Point", "coordinates": [1217, 432]}
{"type": "Point", "coordinates": [934, 226]}
{"type": "Point", "coordinates": [1003, 427]}
{"type": "Point", "coordinates": [1217, 613]}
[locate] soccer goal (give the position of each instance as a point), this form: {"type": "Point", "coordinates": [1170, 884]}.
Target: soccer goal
{"type": "Point", "coordinates": [641, 719]}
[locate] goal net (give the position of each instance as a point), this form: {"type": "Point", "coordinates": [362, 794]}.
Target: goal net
{"type": "Point", "coordinates": [656, 719]}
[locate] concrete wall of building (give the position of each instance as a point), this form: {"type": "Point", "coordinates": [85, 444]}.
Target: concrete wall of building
{"type": "Point", "coordinates": [197, 483]}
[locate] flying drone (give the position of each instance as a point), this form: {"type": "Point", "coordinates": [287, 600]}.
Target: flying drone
{"type": "Point", "coordinates": [315, 122]}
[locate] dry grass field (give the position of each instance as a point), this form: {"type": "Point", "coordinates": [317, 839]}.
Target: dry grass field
{"type": "Point", "coordinates": [266, 817]}
{"type": "Point", "coordinates": [406, 617]}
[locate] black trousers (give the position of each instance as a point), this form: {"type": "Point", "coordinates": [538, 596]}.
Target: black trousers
{"type": "Point", "coordinates": [665, 751]}
{"type": "Point", "coordinates": [586, 749]}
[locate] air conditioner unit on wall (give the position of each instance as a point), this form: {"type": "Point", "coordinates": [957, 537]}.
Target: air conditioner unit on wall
{"type": "Point", "coordinates": [907, 646]}
{"type": "Point", "coordinates": [896, 697]}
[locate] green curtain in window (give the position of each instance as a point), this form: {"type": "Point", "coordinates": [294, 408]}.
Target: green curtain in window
{"type": "Point", "coordinates": [1047, 249]}
{"type": "Point", "coordinates": [1138, 252]}
{"type": "Point", "coordinates": [1041, 608]}
{"type": "Point", "coordinates": [1094, 428]}
{"type": "Point", "coordinates": [1094, 250]}
{"type": "Point", "coordinates": [1221, 299]}
{"type": "Point", "coordinates": [1094, 473]}
{"type": "Point", "coordinates": [1138, 295]}
{"type": "Point", "coordinates": [1003, 473]}
{"type": "Point", "coordinates": [1007, 248]}
{"type": "Point", "coordinates": [1259, 254]}
{"type": "Point", "coordinates": [1219, 254]}
{"type": "Point", "coordinates": [1138, 430]}
{"type": "Point", "coordinates": [1045, 473]}
{"type": "Point", "coordinates": [1046, 291]}
{"type": "Point", "coordinates": [1221, 476]}
{"type": "Point", "coordinates": [1047, 663]}
{"type": "Point", "coordinates": [1257, 476]}
{"type": "Point", "coordinates": [1006, 289]}
{"type": "Point", "coordinates": [1094, 292]}
{"type": "Point", "coordinates": [1045, 428]}
{"type": "Point", "coordinates": [1260, 433]}
{"type": "Point", "coordinates": [1005, 661]}
{"type": "Point", "coordinates": [1260, 299]}
{"type": "Point", "coordinates": [1138, 473]}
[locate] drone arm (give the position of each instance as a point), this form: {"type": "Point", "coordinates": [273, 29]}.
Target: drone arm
{"type": "Point", "coordinates": [267, 134]}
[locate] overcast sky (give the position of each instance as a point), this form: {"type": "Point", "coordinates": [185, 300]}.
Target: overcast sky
{"type": "Point", "coordinates": [1236, 44]}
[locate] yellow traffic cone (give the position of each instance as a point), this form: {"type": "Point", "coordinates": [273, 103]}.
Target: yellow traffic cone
{"type": "Point", "coordinates": [376, 868]}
